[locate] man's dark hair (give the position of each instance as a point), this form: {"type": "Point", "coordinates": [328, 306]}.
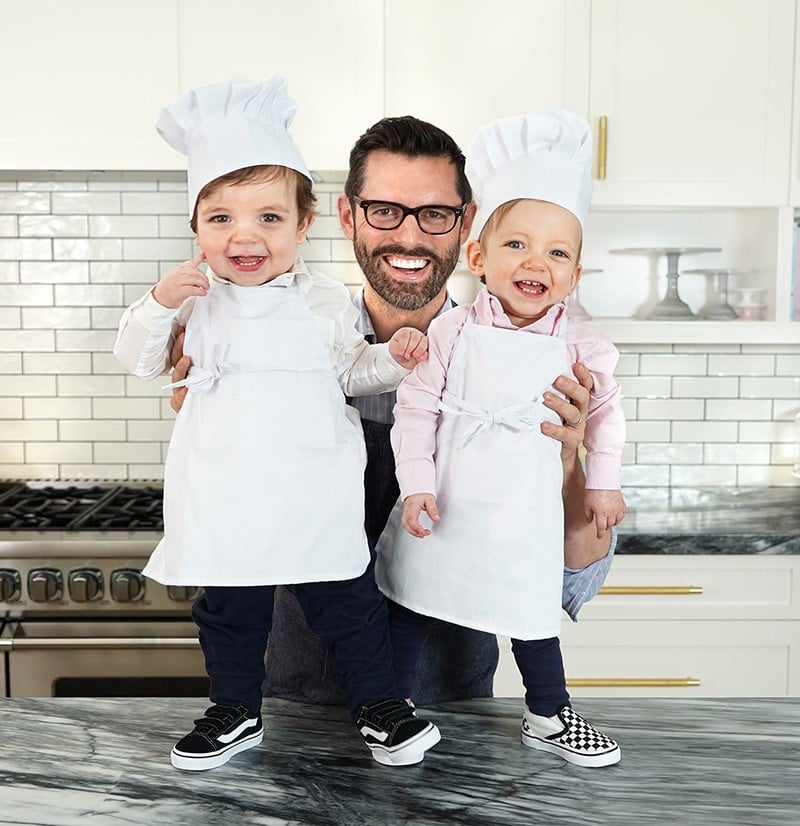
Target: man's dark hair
{"type": "Point", "coordinates": [411, 137]}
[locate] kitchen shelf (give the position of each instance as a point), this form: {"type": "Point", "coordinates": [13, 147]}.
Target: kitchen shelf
{"type": "Point", "coordinates": [635, 331]}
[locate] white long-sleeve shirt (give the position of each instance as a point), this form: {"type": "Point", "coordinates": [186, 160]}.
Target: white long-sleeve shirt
{"type": "Point", "coordinates": [147, 333]}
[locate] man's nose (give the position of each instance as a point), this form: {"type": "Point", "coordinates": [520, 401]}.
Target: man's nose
{"type": "Point", "coordinates": [409, 232]}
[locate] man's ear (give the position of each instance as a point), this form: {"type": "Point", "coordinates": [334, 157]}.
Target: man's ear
{"type": "Point", "coordinates": [466, 222]}
{"type": "Point", "coordinates": [346, 217]}
{"type": "Point", "coordinates": [474, 258]}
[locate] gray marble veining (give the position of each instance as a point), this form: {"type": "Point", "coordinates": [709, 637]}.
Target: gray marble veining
{"type": "Point", "coordinates": [106, 761]}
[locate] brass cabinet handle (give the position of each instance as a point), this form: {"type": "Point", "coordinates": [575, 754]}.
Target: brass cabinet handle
{"type": "Point", "coordinates": [602, 147]}
{"type": "Point", "coordinates": [651, 590]}
{"type": "Point", "coordinates": [632, 682]}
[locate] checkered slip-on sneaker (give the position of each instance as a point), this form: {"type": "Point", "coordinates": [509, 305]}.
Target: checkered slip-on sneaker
{"type": "Point", "coordinates": [219, 734]}
{"type": "Point", "coordinates": [571, 737]}
{"type": "Point", "coordinates": [394, 733]}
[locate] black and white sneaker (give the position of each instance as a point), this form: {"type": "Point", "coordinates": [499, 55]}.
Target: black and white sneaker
{"type": "Point", "coordinates": [219, 734]}
{"type": "Point", "coordinates": [394, 733]}
{"type": "Point", "coordinates": [569, 736]}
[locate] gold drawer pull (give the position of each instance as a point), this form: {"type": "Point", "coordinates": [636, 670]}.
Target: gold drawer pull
{"type": "Point", "coordinates": [651, 590]}
{"type": "Point", "coordinates": [632, 682]}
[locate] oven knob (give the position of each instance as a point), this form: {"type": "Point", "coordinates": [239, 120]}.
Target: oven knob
{"type": "Point", "coordinates": [45, 584]}
{"type": "Point", "coordinates": [10, 585]}
{"type": "Point", "coordinates": [85, 584]}
{"type": "Point", "coordinates": [183, 593]}
{"type": "Point", "coordinates": [127, 585]}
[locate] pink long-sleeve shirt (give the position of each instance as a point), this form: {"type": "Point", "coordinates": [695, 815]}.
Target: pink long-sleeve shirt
{"type": "Point", "coordinates": [416, 413]}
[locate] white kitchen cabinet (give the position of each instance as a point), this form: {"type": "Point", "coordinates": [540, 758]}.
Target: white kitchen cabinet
{"type": "Point", "coordinates": [724, 626]}
{"type": "Point", "coordinates": [460, 65]}
{"type": "Point", "coordinates": [697, 97]}
{"type": "Point", "coordinates": [331, 55]}
{"type": "Point", "coordinates": [83, 83]}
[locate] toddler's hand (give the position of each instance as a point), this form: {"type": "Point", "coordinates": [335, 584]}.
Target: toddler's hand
{"type": "Point", "coordinates": [408, 347]}
{"type": "Point", "coordinates": [181, 282]}
{"type": "Point", "coordinates": [606, 507]}
{"type": "Point", "coordinates": [412, 507]}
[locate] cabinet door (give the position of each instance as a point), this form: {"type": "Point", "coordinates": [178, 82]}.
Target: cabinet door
{"type": "Point", "coordinates": [329, 53]}
{"type": "Point", "coordinates": [698, 100]}
{"type": "Point", "coordinates": [83, 83]}
{"type": "Point", "coordinates": [460, 65]}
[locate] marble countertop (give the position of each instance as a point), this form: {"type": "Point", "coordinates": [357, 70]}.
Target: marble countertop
{"type": "Point", "coordinates": [714, 520]}
{"type": "Point", "coordinates": [65, 762]}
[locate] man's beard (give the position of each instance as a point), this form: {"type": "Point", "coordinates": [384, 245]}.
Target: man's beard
{"type": "Point", "coordinates": [406, 295]}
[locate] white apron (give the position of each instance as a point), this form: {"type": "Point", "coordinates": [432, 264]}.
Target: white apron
{"type": "Point", "coordinates": [495, 560]}
{"type": "Point", "coordinates": [265, 470]}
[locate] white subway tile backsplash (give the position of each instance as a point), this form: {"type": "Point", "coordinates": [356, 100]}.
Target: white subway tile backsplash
{"type": "Point", "coordinates": [58, 408]}
{"type": "Point", "coordinates": [777, 387]}
{"type": "Point", "coordinates": [25, 203]}
{"type": "Point", "coordinates": [85, 340]}
{"type": "Point", "coordinates": [53, 226]}
{"type": "Point", "coordinates": [726, 387]}
{"type": "Point", "coordinates": [156, 249]}
{"type": "Point", "coordinates": [669, 364]}
{"type": "Point", "coordinates": [58, 452]}
{"type": "Point", "coordinates": [741, 365]}
{"type": "Point", "coordinates": [91, 386]}
{"type": "Point", "coordinates": [32, 249]}
{"type": "Point", "coordinates": [683, 431]}
{"type": "Point", "coordinates": [8, 226]}
{"type": "Point", "coordinates": [123, 226]}
{"type": "Point", "coordinates": [54, 272]}
{"type": "Point", "coordinates": [88, 249]}
{"type": "Point", "coordinates": [79, 364]}
{"type": "Point", "coordinates": [59, 317]}
{"type": "Point", "coordinates": [76, 248]}
{"type": "Point", "coordinates": [88, 203]}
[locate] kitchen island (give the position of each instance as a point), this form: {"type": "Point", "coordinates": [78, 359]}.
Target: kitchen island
{"type": "Point", "coordinates": [106, 761]}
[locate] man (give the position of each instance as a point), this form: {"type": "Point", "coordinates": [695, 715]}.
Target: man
{"type": "Point", "coordinates": [407, 172]}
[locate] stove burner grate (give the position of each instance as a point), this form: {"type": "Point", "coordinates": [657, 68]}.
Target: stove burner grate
{"type": "Point", "coordinates": [99, 507]}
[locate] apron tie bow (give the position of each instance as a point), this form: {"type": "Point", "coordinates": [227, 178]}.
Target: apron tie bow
{"type": "Point", "coordinates": [202, 379]}
{"type": "Point", "coordinates": [514, 416]}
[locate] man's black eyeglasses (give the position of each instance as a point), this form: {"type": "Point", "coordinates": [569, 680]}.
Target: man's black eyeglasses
{"type": "Point", "coordinates": [433, 219]}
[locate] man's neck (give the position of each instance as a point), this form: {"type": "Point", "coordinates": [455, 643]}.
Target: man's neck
{"type": "Point", "coordinates": [387, 320]}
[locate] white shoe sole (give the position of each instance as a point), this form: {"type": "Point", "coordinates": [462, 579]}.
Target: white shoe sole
{"type": "Point", "coordinates": [589, 761]}
{"type": "Point", "coordinates": [194, 763]}
{"type": "Point", "coordinates": [408, 753]}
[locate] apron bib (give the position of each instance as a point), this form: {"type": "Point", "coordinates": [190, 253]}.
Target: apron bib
{"type": "Point", "coordinates": [264, 475]}
{"type": "Point", "coordinates": [495, 560]}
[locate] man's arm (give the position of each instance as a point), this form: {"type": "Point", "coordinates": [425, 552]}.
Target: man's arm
{"type": "Point", "coordinates": [180, 368]}
{"type": "Point", "coordinates": [581, 545]}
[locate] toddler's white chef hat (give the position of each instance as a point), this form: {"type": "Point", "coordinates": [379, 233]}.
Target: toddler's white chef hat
{"type": "Point", "coordinates": [231, 125]}
{"type": "Point", "coordinates": [546, 156]}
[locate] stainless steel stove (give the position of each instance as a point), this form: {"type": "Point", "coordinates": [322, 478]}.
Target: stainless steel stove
{"type": "Point", "coordinates": [77, 617]}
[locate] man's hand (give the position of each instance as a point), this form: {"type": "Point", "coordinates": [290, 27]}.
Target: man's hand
{"type": "Point", "coordinates": [180, 368]}
{"type": "Point", "coordinates": [412, 507]}
{"type": "Point", "coordinates": [181, 282]}
{"type": "Point", "coordinates": [408, 347]}
{"type": "Point", "coordinates": [605, 507]}
{"type": "Point", "coordinates": [573, 410]}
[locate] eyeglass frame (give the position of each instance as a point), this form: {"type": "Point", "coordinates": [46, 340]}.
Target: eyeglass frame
{"type": "Point", "coordinates": [415, 211]}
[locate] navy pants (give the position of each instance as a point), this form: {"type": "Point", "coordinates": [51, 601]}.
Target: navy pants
{"type": "Point", "coordinates": [456, 663]}
{"type": "Point", "coordinates": [539, 661]}
{"type": "Point", "coordinates": [350, 617]}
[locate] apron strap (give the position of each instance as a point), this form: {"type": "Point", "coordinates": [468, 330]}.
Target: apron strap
{"type": "Point", "coordinates": [203, 379]}
{"type": "Point", "coordinates": [523, 416]}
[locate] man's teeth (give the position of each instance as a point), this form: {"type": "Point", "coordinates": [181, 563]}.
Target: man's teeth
{"type": "Point", "coordinates": [407, 263]}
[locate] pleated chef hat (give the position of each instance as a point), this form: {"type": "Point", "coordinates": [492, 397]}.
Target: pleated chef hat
{"type": "Point", "coordinates": [546, 156]}
{"type": "Point", "coordinates": [231, 125]}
